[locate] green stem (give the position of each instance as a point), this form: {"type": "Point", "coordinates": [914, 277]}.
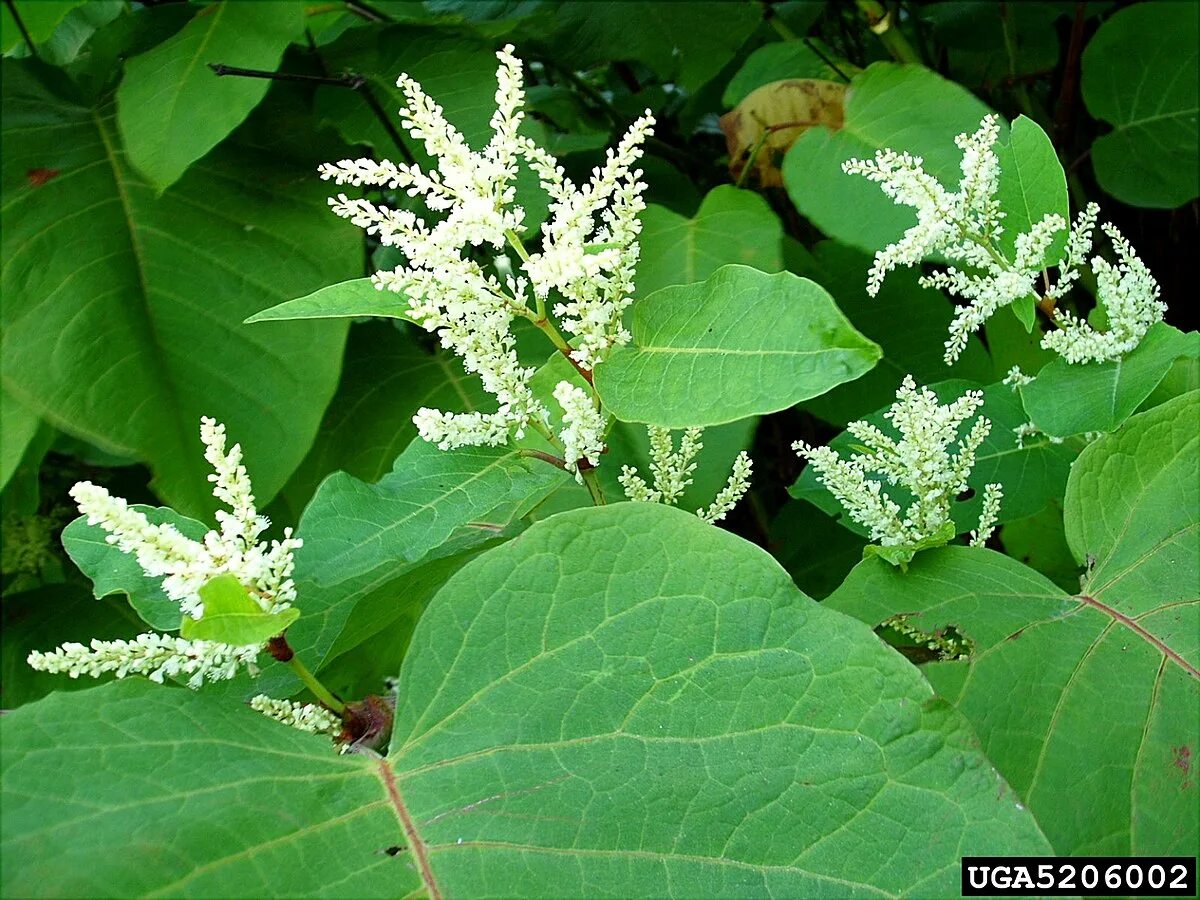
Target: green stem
{"type": "Point", "coordinates": [883, 25]}
{"type": "Point", "coordinates": [318, 690]}
{"type": "Point", "coordinates": [592, 483]}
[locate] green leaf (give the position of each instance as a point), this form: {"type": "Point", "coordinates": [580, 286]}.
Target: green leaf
{"type": "Point", "coordinates": [740, 344]}
{"type": "Point", "coordinates": [123, 311]}
{"type": "Point", "coordinates": [114, 572]}
{"type": "Point", "coordinates": [814, 550]}
{"type": "Point", "coordinates": [20, 425]}
{"type": "Point", "coordinates": [46, 617]}
{"type": "Point", "coordinates": [1031, 475]}
{"type": "Point", "coordinates": [172, 109]}
{"type": "Point", "coordinates": [1112, 674]}
{"type": "Point", "coordinates": [731, 226]}
{"type": "Point", "coordinates": [777, 62]}
{"type": "Point", "coordinates": [590, 710]}
{"type": "Point", "coordinates": [362, 538]}
{"type": "Point", "coordinates": [232, 616]}
{"type": "Point", "coordinates": [909, 322]}
{"type": "Point", "coordinates": [77, 28]}
{"type": "Point", "coordinates": [386, 378]}
{"type": "Point", "coordinates": [93, 806]}
{"type": "Point", "coordinates": [1032, 185]}
{"type": "Point", "coordinates": [348, 299]}
{"type": "Point", "coordinates": [40, 18]}
{"type": "Point", "coordinates": [1067, 399]}
{"type": "Point", "coordinates": [682, 43]}
{"type": "Point", "coordinates": [904, 107]}
{"type": "Point", "coordinates": [1140, 75]}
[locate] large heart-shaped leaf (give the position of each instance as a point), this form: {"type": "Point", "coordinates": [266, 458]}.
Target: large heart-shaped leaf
{"type": "Point", "coordinates": [1140, 75]}
{"type": "Point", "coordinates": [888, 105]}
{"type": "Point", "coordinates": [123, 311]}
{"type": "Point", "coordinates": [740, 344]}
{"type": "Point", "coordinates": [731, 226]}
{"type": "Point", "coordinates": [1032, 185]}
{"type": "Point", "coordinates": [1103, 688]}
{"type": "Point", "coordinates": [172, 109]}
{"type": "Point", "coordinates": [622, 696]}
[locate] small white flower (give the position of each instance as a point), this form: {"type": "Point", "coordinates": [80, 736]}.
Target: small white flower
{"type": "Point", "coordinates": [1017, 379]}
{"type": "Point", "coordinates": [582, 434]}
{"type": "Point", "coordinates": [919, 460]}
{"type": "Point", "coordinates": [302, 716]}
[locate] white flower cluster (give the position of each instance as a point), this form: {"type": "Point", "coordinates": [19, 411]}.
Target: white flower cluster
{"type": "Point", "coordinates": [965, 226]}
{"type": "Point", "coordinates": [920, 462]}
{"type": "Point", "coordinates": [302, 716]}
{"type": "Point", "coordinates": [672, 471]}
{"type": "Point", "coordinates": [1129, 295]}
{"type": "Point", "coordinates": [185, 566]}
{"type": "Point", "coordinates": [583, 427]}
{"type": "Point", "coordinates": [157, 656]}
{"type": "Point", "coordinates": [588, 255]}
{"type": "Point", "coordinates": [992, 495]}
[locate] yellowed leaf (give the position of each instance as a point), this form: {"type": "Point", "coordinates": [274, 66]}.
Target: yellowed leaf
{"type": "Point", "coordinates": [760, 129]}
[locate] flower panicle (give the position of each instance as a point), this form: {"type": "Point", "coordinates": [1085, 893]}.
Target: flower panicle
{"type": "Point", "coordinates": [926, 458]}
{"type": "Point", "coordinates": [965, 227]}
{"type": "Point", "coordinates": [184, 566]}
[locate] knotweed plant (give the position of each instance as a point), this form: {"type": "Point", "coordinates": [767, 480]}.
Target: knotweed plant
{"type": "Point", "coordinates": [578, 282]}
{"type": "Point", "coordinates": [965, 227]}
{"type": "Point", "coordinates": [921, 461]}
{"type": "Point", "coordinates": [186, 570]}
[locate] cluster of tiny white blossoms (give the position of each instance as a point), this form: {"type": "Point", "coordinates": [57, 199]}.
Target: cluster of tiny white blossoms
{"type": "Point", "coordinates": [965, 226]}
{"type": "Point", "coordinates": [582, 434]}
{"type": "Point", "coordinates": [588, 254]}
{"type": "Point", "coordinates": [302, 716]}
{"type": "Point", "coordinates": [672, 472]}
{"type": "Point", "coordinates": [920, 461]}
{"type": "Point", "coordinates": [185, 566]}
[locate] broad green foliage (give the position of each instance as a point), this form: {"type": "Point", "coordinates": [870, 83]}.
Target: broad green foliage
{"type": "Point", "coordinates": [739, 344]}
{"type": "Point", "coordinates": [114, 572]}
{"type": "Point", "coordinates": [595, 701]}
{"type": "Point", "coordinates": [1140, 75]}
{"type": "Point", "coordinates": [141, 298]}
{"type": "Point", "coordinates": [687, 43]}
{"type": "Point", "coordinates": [386, 377]}
{"type": "Point", "coordinates": [1032, 473]}
{"type": "Point", "coordinates": [731, 226]}
{"type": "Point", "coordinates": [1064, 400]}
{"type": "Point", "coordinates": [40, 18]}
{"type": "Point", "coordinates": [935, 111]}
{"type": "Point", "coordinates": [95, 810]}
{"type": "Point", "coordinates": [776, 62]}
{"type": "Point", "coordinates": [360, 539]}
{"type": "Point", "coordinates": [658, 284]}
{"type": "Point", "coordinates": [1113, 672]}
{"type": "Point", "coordinates": [170, 109]}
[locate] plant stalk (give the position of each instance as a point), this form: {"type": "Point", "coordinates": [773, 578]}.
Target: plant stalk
{"type": "Point", "coordinates": [882, 23]}
{"type": "Point", "coordinates": [318, 690]}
